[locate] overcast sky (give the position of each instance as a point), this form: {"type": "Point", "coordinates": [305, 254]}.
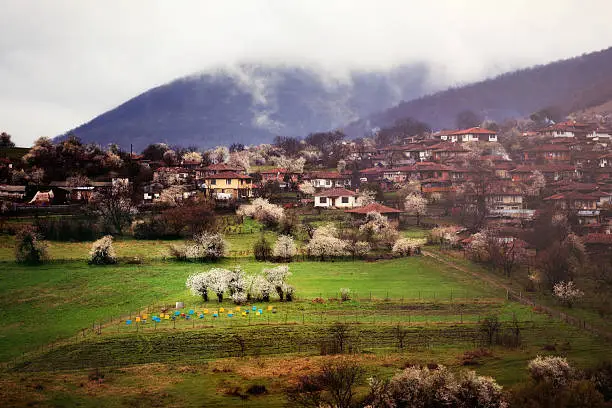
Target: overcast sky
{"type": "Point", "coordinates": [63, 62]}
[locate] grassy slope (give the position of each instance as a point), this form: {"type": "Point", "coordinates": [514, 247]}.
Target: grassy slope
{"type": "Point", "coordinates": [42, 304]}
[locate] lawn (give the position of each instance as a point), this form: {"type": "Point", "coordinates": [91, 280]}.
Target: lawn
{"type": "Point", "coordinates": [41, 304]}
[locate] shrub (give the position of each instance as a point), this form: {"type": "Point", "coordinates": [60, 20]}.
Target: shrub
{"type": "Point", "coordinates": [407, 246]}
{"type": "Point", "coordinates": [324, 243]}
{"type": "Point", "coordinates": [425, 387]}
{"type": "Point", "coordinates": [359, 249]}
{"type": "Point", "coordinates": [567, 292]}
{"type": "Point", "coordinates": [345, 294]}
{"type": "Point", "coordinates": [262, 249]}
{"type": "Point", "coordinates": [102, 252]}
{"type": "Point", "coordinates": [205, 247]}
{"type": "Point", "coordinates": [553, 370]}
{"type": "Point", "coordinates": [262, 210]}
{"type": "Point", "coordinates": [69, 229]}
{"type": "Point", "coordinates": [257, 389]}
{"type": "Point", "coordinates": [444, 236]}
{"type": "Point", "coordinates": [284, 248]}
{"type": "Point", "coordinates": [30, 249]}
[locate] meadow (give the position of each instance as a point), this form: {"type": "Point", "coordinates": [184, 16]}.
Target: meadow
{"type": "Point", "coordinates": [65, 321]}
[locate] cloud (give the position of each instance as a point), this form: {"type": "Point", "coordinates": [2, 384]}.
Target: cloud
{"type": "Point", "coordinates": [66, 61]}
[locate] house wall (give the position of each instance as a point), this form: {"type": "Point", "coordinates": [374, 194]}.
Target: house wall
{"type": "Point", "coordinates": [335, 202]}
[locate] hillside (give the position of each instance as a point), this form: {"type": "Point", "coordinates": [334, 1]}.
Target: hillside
{"type": "Point", "coordinates": [250, 104]}
{"type": "Point", "coordinates": [569, 85]}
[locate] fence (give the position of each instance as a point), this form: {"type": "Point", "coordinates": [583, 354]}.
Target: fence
{"type": "Point", "coordinates": [204, 345]}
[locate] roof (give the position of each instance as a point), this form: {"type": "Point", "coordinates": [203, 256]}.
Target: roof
{"type": "Point", "coordinates": [228, 175]}
{"type": "Point", "coordinates": [374, 207]}
{"type": "Point", "coordinates": [550, 148]}
{"type": "Point", "coordinates": [567, 125]}
{"type": "Point", "coordinates": [336, 192]}
{"type": "Point", "coordinates": [572, 195]}
{"type": "Point", "coordinates": [14, 189]}
{"type": "Point", "coordinates": [474, 131]}
{"type": "Point", "coordinates": [594, 238]}
{"type": "Point", "coordinates": [274, 171]}
{"type": "Point", "coordinates": [223, 167]}
{"type": "Point", "coordinates": [544, 168]}
{"type": "Point", "coordinates": [328, 175]}
{"type": "Point", "coordinates": [172, 170]}
{"type": "Point", "coordinates": [372, 170]}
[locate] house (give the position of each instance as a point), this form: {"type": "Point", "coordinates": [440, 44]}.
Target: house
{"type": "Point", "coordinates": [218, 168]}
{"type": "Point", "coordinates": [41, 198]}
{"type": "Point", "coordinates": [371, 174]}
{"type": "Point", "coordinates": [151, 192]}
{"type": "Point", "coordinates": [12, 192]}
{"type": "Point", "coordinates": [473, 134]}
{"type": "Point", "coordinates": [573, 200]}
{"type": "Point", "coordinates": [228, 186]}
{"type": "Point", "coordinates": [605, 160]}
{"type": "Point", "coordinates": [551, 172]}
{"type": "Point", "coordinates": [336, 197]}
{"type": "Point", "coordinates": [171, 175]}
{"type": "Point", "coordinates": [447, 150]}
{"type": "Point", "coordinates": [600, 134]}
{"type": "Point", "coordinates": [547, 152]}
{"type": "Point", "coordinates": [569, 128]}
{"type": "Point", "coordinates": [279, 175]}
{"type": "Point", "coordinates": [598, 244]}
{"type": "Point", "coordinates": [330, 179]}
{"type": "Point", "coordinates": [504, 196]}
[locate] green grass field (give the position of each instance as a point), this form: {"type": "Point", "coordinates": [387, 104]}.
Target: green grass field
{"type": "Point", "coordinates": [69, 316]}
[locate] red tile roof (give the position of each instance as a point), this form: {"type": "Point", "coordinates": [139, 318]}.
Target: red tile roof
{"type": "Point", "coordinates": [223, 167]}
{"type": "Point", "coordinates": [336, 192]}
{"type": "Point", "coordinates": [328, 175]}
{"type": "Point", "coordinates": [474, 131]}
{"type": "Point", "coordinates": [598, 239]}
{"type": "Point", "coordinates": [572, 195]}
{"type": "Point", "coordinates": [549, 148]}
{"type": "Point", "coordinates": [274, 171]}
{"type": "Point", "coordinates": [374, 207]}
{"type": "Point", "coordinates": [228, 175]}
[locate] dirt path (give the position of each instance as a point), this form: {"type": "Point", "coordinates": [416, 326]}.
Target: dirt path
{"type": "Point", "coordinates": [517, 296]}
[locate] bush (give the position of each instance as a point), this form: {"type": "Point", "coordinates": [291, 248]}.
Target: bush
{"type": "Point", "coordinates": [345, 294]}
{"type": "Point", "coordinates": [69, 229]}
{"type": "Point", "coordinates": [205, 247]}
{"type": "Point", "coordinates": [262, 249]}
{"type": "Point", "coordinates": [425, 387]}
{"type": "Point", "coordinates": [553, 370]}
{"type": "Point", "coordinates": [407, 246]}
{"type": "Point", "coordinates": [102, 252]}
{"type": "Point", "coordinates": [262, 210]}
{"type": "Point", "coordinates": [284, 248]}
{"type": "Point", "coordinates": [325, 243]}
{"type": "Point", "coordinates": [30, 249]}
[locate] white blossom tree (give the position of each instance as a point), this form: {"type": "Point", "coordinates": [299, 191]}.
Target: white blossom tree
{"type": "Point", "coordinates": [102, 252]}
{"type": "Point", "coordinates": [407, 246]}
{"type": "Point", "coordinates": [551, 369]}
{"type": "Point", "coordinates": [262, 210]}
{"type": "Point", "coordinates": [284, 248]}
{"type": "Point", "coordinates": [278, 279]}
{"type": "Point", "coordinates": [306, 187]}
{"type": "Point", "coordinates": [415, 204]}
{"type": "Point", "coordinates": [424, 387]}
{"type": "Point", "coordinates": [366, 197]}
{"type": "Point", "coordinates": [325, 243]}
{"type": "Point", "coordinates": [567, 292]}
{"type": "Point", "coordinates": [197, 283]}
{"type": "Point", "coordinates": [218, 281]}
{"type": "Point", "coordinates": [194, 157]}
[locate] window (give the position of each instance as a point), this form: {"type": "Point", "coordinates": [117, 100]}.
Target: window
{"type": "Point", "coordinates": [323, 200]}
{"type": "Point", "coordinates": [345, 200]}
{"type": "Point", "coordinates": [228, 181]}
{"type": "Point", "coordinates": [213, 181]}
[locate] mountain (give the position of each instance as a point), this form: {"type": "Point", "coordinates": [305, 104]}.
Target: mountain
{"type": "Point", "coordinates": [566, 86]}
{"type": "Point", "coordinates": [251, 104]}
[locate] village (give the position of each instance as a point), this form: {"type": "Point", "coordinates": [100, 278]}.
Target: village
{"type": "Point", "coordinates": [465, 176]}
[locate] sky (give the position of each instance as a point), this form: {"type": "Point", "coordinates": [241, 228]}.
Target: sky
{"type": "Point", "coordinates": [63, 62]}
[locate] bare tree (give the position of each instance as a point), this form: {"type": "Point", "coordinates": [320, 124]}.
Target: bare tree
{"type": "Point", "coordinates": [115, 208]}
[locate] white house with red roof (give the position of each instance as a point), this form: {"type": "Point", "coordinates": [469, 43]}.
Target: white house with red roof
{"type": "Point", "coordinates": [473, 134]}
{"type": "Point", "coordinates": [337, 198]}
